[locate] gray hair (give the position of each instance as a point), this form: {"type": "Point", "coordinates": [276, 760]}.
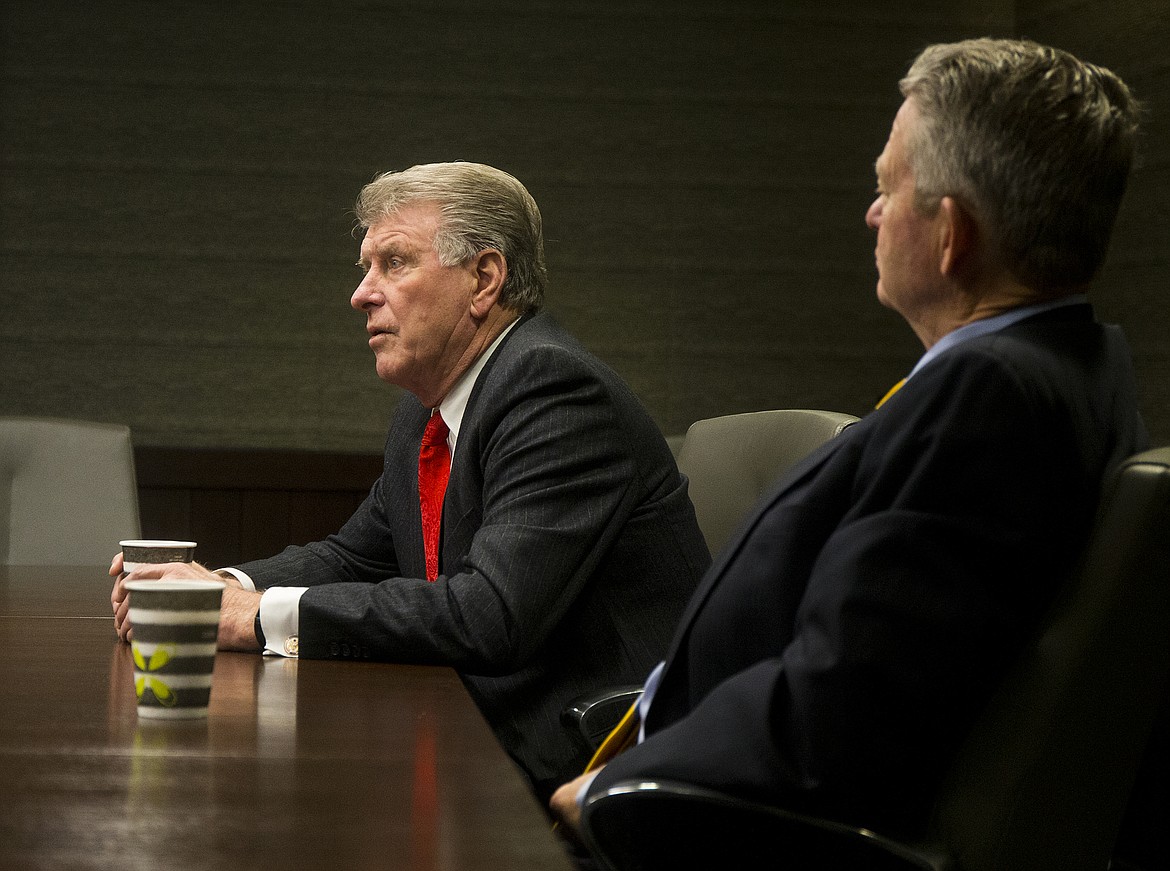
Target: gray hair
{"type": "Point", "coordinates": [481, 207]}
{"type": "Point", "coordinates": [1035, 143]}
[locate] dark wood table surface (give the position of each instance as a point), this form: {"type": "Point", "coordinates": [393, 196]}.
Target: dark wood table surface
{"type": "Point", "coordinates": [301, 764]}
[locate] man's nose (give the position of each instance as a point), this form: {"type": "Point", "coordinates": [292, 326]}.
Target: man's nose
{"type": "Point", "coordinates": [873, 215]}
{"type": "Point", "coordinates": [364, 295]}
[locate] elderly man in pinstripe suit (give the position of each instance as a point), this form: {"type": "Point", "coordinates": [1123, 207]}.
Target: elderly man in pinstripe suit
{"type": "Point", "coordinates": [567, 545]}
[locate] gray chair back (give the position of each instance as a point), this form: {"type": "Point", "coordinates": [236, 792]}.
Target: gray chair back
{"type": "Point", "coordinates": [1044, 778]}
{"type": "Point", "coordinates": [67, 491]}
{"type": "Point", "coordinates": [731, 460]}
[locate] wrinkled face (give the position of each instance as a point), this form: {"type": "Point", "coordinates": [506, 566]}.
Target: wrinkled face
{"type": "Point", "coordinates": [418, 312]}
{"type": "Point", "coordinates": [907, 256]}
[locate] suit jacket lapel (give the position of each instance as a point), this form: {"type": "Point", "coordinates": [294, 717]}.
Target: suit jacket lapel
{"type": "Point", "coordinates": [466, 452]}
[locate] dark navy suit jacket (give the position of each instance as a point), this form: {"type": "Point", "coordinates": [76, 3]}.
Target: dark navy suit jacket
{"type": "Point", "coordinates": [841, 645]}
{"type": "Point", "coordinates": [569, 548]}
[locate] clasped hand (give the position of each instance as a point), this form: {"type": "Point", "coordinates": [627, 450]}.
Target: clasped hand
{"type": "Point", "coordinates": [236, 617]}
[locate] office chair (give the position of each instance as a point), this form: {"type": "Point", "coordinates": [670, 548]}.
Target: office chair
{"type": "Point", "coordinates": [1042, 781]}
{"type": "Point", "coordinates": [67, 491]}
{"type": "Point", "coordinates": [730, 462]}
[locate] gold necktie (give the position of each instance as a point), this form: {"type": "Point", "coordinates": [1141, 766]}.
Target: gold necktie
{"type": "Point", "coordinates": [889, 393]}
{"type": "Point", "coordinates": [622, 737]}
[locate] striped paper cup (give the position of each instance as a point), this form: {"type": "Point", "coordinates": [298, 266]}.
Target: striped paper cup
{"type": "Point", "coordinates": [141, 552]}
{"type": "Point", "coordinates": [175, 625]}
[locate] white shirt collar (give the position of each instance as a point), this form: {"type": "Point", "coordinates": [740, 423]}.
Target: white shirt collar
{"type": "Point", "coordinates": [454, 404]}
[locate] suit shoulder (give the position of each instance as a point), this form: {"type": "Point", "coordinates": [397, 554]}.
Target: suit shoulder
{"type": "Point", "coordinates": [541, 345]}
{"type": "Point", "coordinates": [542, 367]}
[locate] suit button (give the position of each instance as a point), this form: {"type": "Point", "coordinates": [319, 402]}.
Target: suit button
{"type": "Point", "coordinates": [333, 648]}
{"type": "Point", "coordinates": [344, 649]}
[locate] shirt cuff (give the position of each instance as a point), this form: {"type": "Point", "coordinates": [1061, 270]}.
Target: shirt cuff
{"type": "Point", "coordinates": [280, 617]}
{"type": "Point", "coordinates": [246, 582]}
{"type": "Point", "coordinates": [646, 699]}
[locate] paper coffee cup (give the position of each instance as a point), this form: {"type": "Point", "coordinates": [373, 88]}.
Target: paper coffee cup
{"type": "Point", "coordinates": [175, 625]}
{"type": "Point", "coordinates": [140, 552]}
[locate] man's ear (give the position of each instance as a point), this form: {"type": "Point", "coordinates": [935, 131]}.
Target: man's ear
{"type": "Point", "coordinates": [490, 269]}
{"type": "Point", "coordinates": [958, 236]}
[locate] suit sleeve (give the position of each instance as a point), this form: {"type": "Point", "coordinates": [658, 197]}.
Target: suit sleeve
{"type": "Point", "coordinates": [960, 515]}
{"type": "Point", "coordinates": [558, 481]}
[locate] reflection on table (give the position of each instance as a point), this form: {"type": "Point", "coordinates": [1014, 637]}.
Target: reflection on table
{"type": "Point", "coordinates": [300, 764]}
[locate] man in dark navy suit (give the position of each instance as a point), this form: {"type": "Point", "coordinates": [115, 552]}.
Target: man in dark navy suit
{"type": "Point", "coordinates": [841, 645]}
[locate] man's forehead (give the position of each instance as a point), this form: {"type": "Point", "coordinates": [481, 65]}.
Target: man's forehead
{"type": "Point", "coordinates": [881, 166]}
{"type": "Point", "coordinates": [413, 225]}
{"type": "Point", "coordinates": [906, 112]}
{"type": "Point", "coordinates": [380, 236]}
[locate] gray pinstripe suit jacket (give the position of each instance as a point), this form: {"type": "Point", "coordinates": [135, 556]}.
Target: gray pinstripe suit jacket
{"type": "Point", "coordinates": [569, 548]}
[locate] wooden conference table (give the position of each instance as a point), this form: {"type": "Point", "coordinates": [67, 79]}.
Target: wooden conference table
{"type": "Point", "coordinates": [300, 764]}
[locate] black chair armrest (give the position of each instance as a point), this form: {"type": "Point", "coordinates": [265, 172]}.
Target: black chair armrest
{"type": "Point", "coordinates": [664, 826]}
{"type": "Point", "coordinates": [591, 717]}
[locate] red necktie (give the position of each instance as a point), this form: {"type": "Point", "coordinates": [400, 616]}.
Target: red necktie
{"type": "Point", "coordinates": [434, 466]}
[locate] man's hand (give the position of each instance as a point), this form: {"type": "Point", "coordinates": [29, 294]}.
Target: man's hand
{"type": "Point", "coordinates": [564, 802]}
{"type": "Point", "coordinates": [237, 614]}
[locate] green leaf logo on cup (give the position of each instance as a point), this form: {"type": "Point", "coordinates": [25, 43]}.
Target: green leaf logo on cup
{"type": "Point", "coordinates": [143, 679]}
{"type": "Point", "coordinates": [175, 626]}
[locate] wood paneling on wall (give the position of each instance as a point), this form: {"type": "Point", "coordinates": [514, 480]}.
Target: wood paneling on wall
{"type": "Point", "coordinates": [176, 250]}
{"type": "Point", "coordinates": [244, 505]}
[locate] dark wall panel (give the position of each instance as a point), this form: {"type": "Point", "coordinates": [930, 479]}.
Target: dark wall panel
{"type": "Point", "coordinates": [175, 237]}
{"type": "Point", "coordinates": [1131, 38]}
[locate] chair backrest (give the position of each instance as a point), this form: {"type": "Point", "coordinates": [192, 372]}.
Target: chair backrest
{"type": "Point", "coordinates": [1042, 781]}
{"type": "Point", "coordinates": [730, 461]}
{"type": "Point", "coordinates": [67, 491]}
